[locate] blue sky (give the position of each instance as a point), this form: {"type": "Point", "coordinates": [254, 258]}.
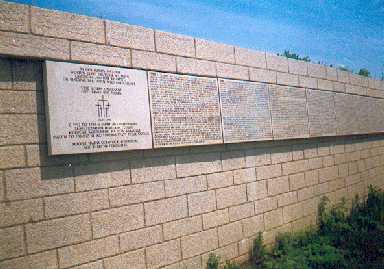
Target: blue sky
{"type": "Point", "coordinates": [338, 32]}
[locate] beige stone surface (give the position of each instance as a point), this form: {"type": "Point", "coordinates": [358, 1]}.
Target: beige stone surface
{"type": "Point", "coordinates": [66, 25]}
{"type": "Point", "coordinates": [137, 193]}
{"type": "Point", "coordinates": [210, 50]}
{"type": "Point", "coordinates": [36, 182]}
{"type": "Point", "coordinates": [328, 173]}
{"type": "Point", "coordinates": [342, 76]}
{"type": "Point", "coordinates": [117, 220]}
{"type": "Point", "coordinates": [141, 238]}
{"type": "Point", "coordinates": [257, 157]}
{"type": "Point", "coordinates": [135, 260]}
{"type": "Point", "coordinates": [186, 185]}
{"type": "Point", "coordinates": [297, 67]}
{"type": "Point", "coordinates": [308, 82]}
{"type": "Point", "coordinates": [153, 61]}
{"type": "Point", "coordinates": [278, 185]}
{"type": "Point", "coordinates": [253, 225]}
{"type": "Point", "coordinates": [295, 167]}
{"type": "Point", "coordinates": [201, 202]}
{"type": "Point", "coordinates": [153, 169]}
{"type": "Point", "coordinates": [100, 54]}
{"type": "Point", "coordinates": [273, 218]}
{"type": "Point", "coordinates": [324, 84]}
{"type": "Point", "coordinates": [215, 218]}
{"type": "Point", "coordinates": [262, 75]}
{"type": "Point", "coordinates": [316, 70]}
{"type": "Point", "coordinates": [20, 212]}
{"type": "Point", "coordinates": [92, 265]}
{"type": "Point", "coordinates": [232, 71]}
{"type": "Point", "coordinates": [21, 102]}
{"type": "Point", "coordinates": [331, 73]}
{"type": "Point", "coordinates": [204, 163]}
{"type": "Point", "coordinates": [182, 227]}
{"type": "Point", "coordinates": [175, 44]}
{"type": "Point", "coordinates": [281, 155]}
{"type": "Point", "coordinates": [257, 190]}
{"type": "Point", "coordinates": [358, 80]}
{"type": "Point", "coordinates": [241, 211]}
{"type": "Point", "coordinates": [59, 232]}
{"type": "Point", "coordinates": [355, 89]}
{"type": "Point", "coordinates": [12, 242]}
{"type": "Point", "coordinates": [244, 175]}
{"type": "Point", "coordinates": [338, 86]}
{"type": "Point", "coordinates": [277, 63]}
{"type": "Point", "coordinates": [287, 79]}
{"type": "Point", "coordinates": [27, 75]}
{"type": "Point", "coordinates": [163, 254]}
{"type": "Point", "coordinates": [88, 251]}
{"type": "Point", "coordinates": [199, 243]}
{"type": "Point", "coordinates": [195, 66]}
{"type": "Point", "coordinates": [226, 253]}
{"type": "Point", "coordinates": [286, 198]}
{"type": "Point", "coordinates": [6, 74]}
{"type": "Point", "coordinates": [220, 180]}
{"type": "Point", "coordinates": [12, 156]}
{"type": "Point", "coordinates": [14, 17]}
{"type": "Point", "coordinates": [19, 129]}
{"type": "Point", "coordinates": [292, 212]}
{"type": "Point", "coordinates": [268, 171]}
{"type": "Point", "coordinates": [75, 203]}
{"type": "Point", "coordinates": [250, 57]}
{"type": "Point", "coordinates": [232, 160]}
{"type": "Point", "coordinates": [130, 36]}
{"type": "Point", "coordinates": [297, 181]}
{"type": "Point", "coordinates": [230, 233]}
{"type": "Point", "coordinates": [47, 260]}
{"type": "Point", "coordinates": [230, 196]}
{"type": "Point", "coordinates": [165, 210]}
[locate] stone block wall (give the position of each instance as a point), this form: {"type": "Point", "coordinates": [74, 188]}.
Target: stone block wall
{"type": "Point", "coordinates": [164, 208]}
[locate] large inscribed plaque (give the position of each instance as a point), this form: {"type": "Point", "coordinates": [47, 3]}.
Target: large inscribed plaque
{"type": "Point", "coordinates": [347, 114]}
{"type": "Point", "coordinates": [321, 113]}
{"type": "Point", "coordinates": [185, 110]}
{"type": "Point", "coordinates": [289, 112]}
{"type": "Point", "coordinates": [94, 108]}
{"type": "Point", "coordinates": [245, 111]}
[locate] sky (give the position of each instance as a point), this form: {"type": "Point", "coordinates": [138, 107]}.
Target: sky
{"type": "Point", "coordinates": [346, 33]}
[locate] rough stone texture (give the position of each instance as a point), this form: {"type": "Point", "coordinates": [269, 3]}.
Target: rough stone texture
{"type": "Point", "coordinates": [216, 218]}
{"type": "Point", "coordinates": [316, 70]}
{"type": "Point", "coordinates": [231, 196]}
{"type": "Point", "coordinates": [273, 219]}
{"type": "Point", "coordinates": [163, 254]}
{"type": "Point", "coordinates": [182, 227]}
{"type": "Point", "coordinates": [153, 169]}
{"type": "Point", "coordinates": [297, 67]}
{"type": "Point", "coordinates": [342, 76]}
{"type": "Point", "coordinates": [257, 190]}
{"type": "Point", "coordinates": [117, 220]}
{"type": "Point", "coordinates": [14, 17]}
{"type": "Point", "coordinates": [331, 73]}
{"type": "Point", "coordinates": [195, 66]}
{"type": "Point", "coordinates": [59, 232]}
{"type": "Point", "coordinates": [307, 82]}
{"type": "Point", "coordinates": [11, 157]}
{"type": "Point", "coordinates": [199, 243]}
{"type": "Point", "coordinates": [130, 36]}
{"type": "Point", "coordinates": [165, 210]}
{"type": "Point", "coordinates": [181, 186]}
{"type": "Point", "coordinates": [220, 180]}
{"type": "Point", "coordinates": [153, 61]}
{"type": "Point", "coordinates": [210, 50]}
{"type": "Point", "coordinates": [175, 44]}
{"type": "Point", "coordinates": [262, 75]}
{"type": "Point", "coordinates": [278, 185]}
{"type": "Point", "coordinates": [287, 79]}
{"type": "Point", "coordinates": [100, 54]}
{"type": "Point", "coordinates": [241, 211]}
{"type": "Point", "coordinates": [65, 25]}
{"type": "Point", "coordinates": [250, 57]}
{"type": "Point", "coordinates": [135, 259]}
{"type": "Point", "coordinates": [232, 71]}
{"type": "Point", "coordinates": [20, 102]}
{"type": "Point", "coordinates": [13, 242]}
{"type": "Point", "coordinates": [20, 212]}
{"type": "Point", "coordinates": [253, 225]}
{"type": "Point", "coordinates": [324, 84]}
{"type": "Point", "coordinates": [189, 165]}
{"type": "Point", "coordinates": [201, 202]}
{"type": "Point", "coordinates": [46, 260]}
{"type": "Point", "coordinates": [141, 238]}
{"type": "Point", "coordinates": [277, 63]}
{"type": "Point", "coordinates": [230, 233]}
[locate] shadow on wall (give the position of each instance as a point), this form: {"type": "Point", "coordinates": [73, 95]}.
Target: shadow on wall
{"type": "Point", "coordinates": [27, 76]}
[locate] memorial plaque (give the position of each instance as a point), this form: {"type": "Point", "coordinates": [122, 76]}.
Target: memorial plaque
{"type": "Point", "coordinates": [185, 110]}
{"type": "Point", "coordinates": [347, 114]}
{"type": "Point", "coordinates": [94, 108]}
{"type": "Point", "coordinates": [244, 111]}
{"type": "Point", "coordinates": [321, 113]}
{"type": "Point", "coordinates": [289, 112]}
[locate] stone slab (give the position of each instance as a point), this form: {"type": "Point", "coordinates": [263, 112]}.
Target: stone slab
{"type": "Point", "coordinates": [289, 112]}
{"type": "Point", "coordinates": [94, 108]}
{"type": "Point", "coordinates": [185, 110]}
{"type": "Point", "coordinates": [347, 118]}
{"type": "Point", "coordinates": [321, 113]}
{"type": "Point", "coordinates": [245, 111]}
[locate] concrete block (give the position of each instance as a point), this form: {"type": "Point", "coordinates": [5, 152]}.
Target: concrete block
{"type": "Point", "coordinates": [308, 82]}
{"type": "Point", "coordinates": [266, 204]}
{"type": "Point", "coordinates": [186, 185]}
{"type": "Point", "coordinates": [331, 73]}
{"type": "Point", "coordinates": [19, 129]}
{"type": "Point", "coordinates": [257, 157]}
{"type": "Point", "coordinates": [230, 233]}
{"type": "Point", "coordinates": [281, 155]}
{"type": "Point", "coordinates": [46, 260]}
{"type": "Point", "coordinates": [232, 71]}
{"type": "Point", "coordinates": [117, 220]}
{"type": "Point", "coordinates": [297, 181]}
{"type": "Point", "coordinates": [262, 75]}
{"type": "Point", "coordinates": [21, 102]}
{"type": "Point", "coordinates": [273, 219]}
{"type": "Point", "coordinates": [20, 212]}
{"type": "Point", "coordinates": [135, 260]}
{"type": "Point", "coordinates": [100, 54]}
{"type": "Point", "coordinates": [338, 86]}
{"type": "Point", "coordinates": [199, 243]}
{"type": "Point", "coordinates": [220, 180]}
{"type": "Point", "coordinates": [317, 70]}
{"type": "Point", "coordinates": [92, 265]}
{"type": "Point", "coordinates": [268, 171]}
{"type": "Point", "coordinates": [75, 203]}
{"type": "Point", "coordinates": [215, 218]}
{"type": "Point", "coordinates": [182, 227]}
{"type": "Point", "coordinates": [153, 61]}
{"type": "Point", "coordinates": [12, 242]}
{"type": "Point", "coordinates": [249, 57]}
{"type": "Point", "coordinates": [358, 80]}
{"type": "Point", "coordinates": [230, 196]}
{"type": "Point", "coordinates": [342, 76]}
{"type": "Point", "coordinates": [315, 163]}
{"type": "Point", "coordinates": [130, 36]}
{"type": "Point", "coordinates": [196, 67]}
{"type": "Point", "coordinates": [297, 67]}
{"type": "Point", "coordinates": [328, 173]}
{"type": "Point", "coordinates": [324, 84]}
{"type": "Point", "coordinates": [58, 232]}
{"type": "Point", "coordinates": [244, 175]}
{"type": "Point", "coordinates": [210, 50]}
{"type": "Point", "coordinates": [201, 202]}
{"type": "Point", "coordinates": [257, 190]}
{"type": "Point", "coordinates": [278, 185]}
{"type": "Point", "coordinates": [295, 167]}
{"type": "Point", "coordinates": [277, 63]}
{"type": "Point", "coordinates": [253, 225]}
{"type": "Point", "coordinates": [287, 79]}
{"type": "Point", "coordinates": [141, 238]}
{"type": "Point", "coordinates": [287, 198]}
{"type": "Point", "coordinates": [354, 89]}
{"type": "Point", "coordinates": [197, 164]}
{"type": "Point", "coordinates": [165, 210]}
{"type": "Point", "coordinates": [163, 254]}
{"type": "Point", "coordinates": [153, 169]}
{"type": "Point", "coordinates": [137, 193]}
{"type": "Point", "coordinates": [171, 43]}
{"type": "Point", "coordinates": [14, 17]}
{"type": "Point", "coordinates": [88, 251]}
{"type": "Point", "coordinates": [292, 212]}
{"type": "Point", "coordinates": [305, 193]}
{"type": "Point", "coordinates": [241, 211]}
{"type": "Point", "coordinates": [12, 156]}
{"type": "Point", "coordinates": [66, 25]}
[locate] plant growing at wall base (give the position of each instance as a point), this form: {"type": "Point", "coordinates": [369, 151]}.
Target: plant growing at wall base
{"type": "Point", "coordinates": [231, 265]}
{"type": "Point", "coordinates": [213, 261]}
{"type": "Point", "coordinates": [258, 252]}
